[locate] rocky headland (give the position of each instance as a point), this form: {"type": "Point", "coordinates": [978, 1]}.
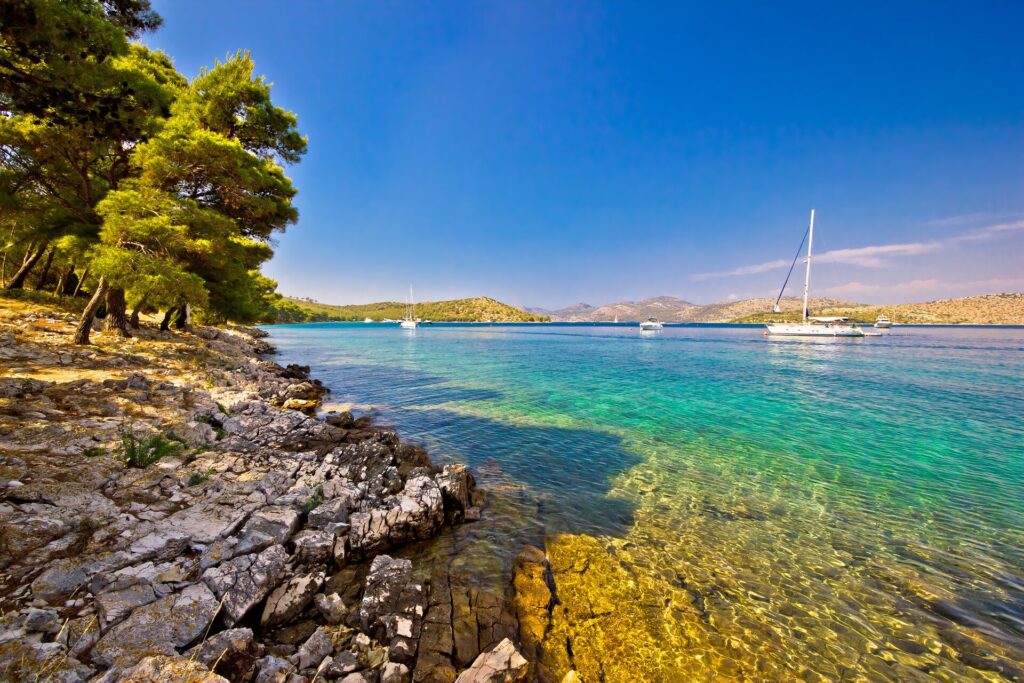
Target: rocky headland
{"type": "Point", "coordinates": [172, 508]}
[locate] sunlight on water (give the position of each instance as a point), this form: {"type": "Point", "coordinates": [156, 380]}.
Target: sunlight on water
{"type": "Point", "coordinates": [788, 509]}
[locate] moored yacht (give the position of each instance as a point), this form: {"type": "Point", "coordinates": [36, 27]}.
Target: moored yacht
{"type": "Point", "coordinates": [651, 324]}
{"type": "Point", "coordinates": [811, 326]}
{"type": "Point", "coordinates": [836, 326]}
{"type": "Point", "coordinates": [408, 321]}
{"type": "Point", "coordinates": [883, 323]}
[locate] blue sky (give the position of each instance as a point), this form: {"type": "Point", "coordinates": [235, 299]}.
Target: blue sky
{"type": "Point", "coordinates": [545, 153]}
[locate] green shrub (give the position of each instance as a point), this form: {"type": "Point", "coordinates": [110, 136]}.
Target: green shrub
{"type": "Point", "coordinates": [315, 502]}
{"type": "Point", "coordinates": [143, 452]}
{"type": "Point", "coordinates": [94, 452]}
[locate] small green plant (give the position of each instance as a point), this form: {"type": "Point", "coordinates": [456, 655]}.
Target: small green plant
{"type": "Point", "coordinates": [221, 408]}
{"type": "Point", "coordinates": [220, 432]}
{"type": "Point", "coordinates": [94, 452]}
{"type": "Point", "coordinates": [318, 498]}
{"type": "Point", "coordinates": [198, 478]}
{"type": "Point", "coordinates": [205, 419]}
{"type": "Point", "coordinates": [143, 452]}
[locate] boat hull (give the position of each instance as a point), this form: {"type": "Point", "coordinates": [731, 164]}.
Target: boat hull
{"type": "Point", "coordinates": [805, 330]}
{"type": "Point", "coordinates": [407, 324]}
{"type": "Point", "coordinates": [883, 326]}
{"type": "Point", "coordinates": [651, 327]}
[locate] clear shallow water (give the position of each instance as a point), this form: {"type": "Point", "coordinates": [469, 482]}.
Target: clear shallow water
{"type": "Point", "coordinates": [832, 508]}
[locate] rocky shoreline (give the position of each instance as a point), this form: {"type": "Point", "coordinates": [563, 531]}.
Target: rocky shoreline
{"type": "Point", "coordinates": [255, 549]}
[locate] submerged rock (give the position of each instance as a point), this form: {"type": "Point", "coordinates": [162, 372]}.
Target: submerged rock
{"type": "Point", "coordinates": [533, 600]}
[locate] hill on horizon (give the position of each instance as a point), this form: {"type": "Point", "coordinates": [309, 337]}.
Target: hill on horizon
{"type": "Point", "coordinates": [988, 309]}
{"type": "Point", "coordinates": [668, 308]}
{"type": "Point", "coordinates": [474, 309]}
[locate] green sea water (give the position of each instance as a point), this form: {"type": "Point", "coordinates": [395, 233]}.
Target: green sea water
{"type": "Point", "coordinates": [822, 509]}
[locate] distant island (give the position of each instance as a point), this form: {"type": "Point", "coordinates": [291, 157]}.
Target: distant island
{"type": "Point", "coordinates": [475, 309]}
{"type": "Point", "coordinates": [989, 309]}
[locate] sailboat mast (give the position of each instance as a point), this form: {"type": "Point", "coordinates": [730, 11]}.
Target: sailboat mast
{"type": "Point", "coordinates": [807, 274]}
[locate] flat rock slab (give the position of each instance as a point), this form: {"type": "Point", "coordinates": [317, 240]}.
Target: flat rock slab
{"type": "Point", "coordinates": [207, 523]}
{"type": "Point", "coordinates": [158, 628]}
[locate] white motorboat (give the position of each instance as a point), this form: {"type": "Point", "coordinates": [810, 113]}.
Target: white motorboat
{"type": "Point", "coordinates": [811, 326]}
{"type": "Point", "coordinates": [651, 324]}
{"type": "Point", "coordinates": [408, 322]}
{"type": "Point", "coordinates": [883, 323]}
{"type": "Point", "coordinates": [368, 320]}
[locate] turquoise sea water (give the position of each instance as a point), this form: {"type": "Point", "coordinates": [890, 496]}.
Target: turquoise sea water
{"type": "Point", "coordinates": [843, 501]}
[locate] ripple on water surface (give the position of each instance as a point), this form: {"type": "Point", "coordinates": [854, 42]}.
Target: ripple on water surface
{"type": "Point", "coordinates": [771, 510]}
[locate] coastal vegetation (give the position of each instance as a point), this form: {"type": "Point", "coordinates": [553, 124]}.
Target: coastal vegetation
{"type": "Point", "coordinates": [126, 183]}
{"type": "Point", "coordinates": [989, 309]}
{"type": "Point", "coordinates": [476, 309]}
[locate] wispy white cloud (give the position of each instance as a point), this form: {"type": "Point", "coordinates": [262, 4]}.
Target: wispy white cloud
{"type": "Point", "coordinates": [872, 257]}
{"type": "Point", "coordinates": [967, 219]}
{"type": "Point", "coordinates": [868, 257]}
{"type": "Point", "coordinates": [875, 256]}
{"type": "Point", "coordinates": [987, 233]}
{"type": "Point", "coordinates": [745, 270]}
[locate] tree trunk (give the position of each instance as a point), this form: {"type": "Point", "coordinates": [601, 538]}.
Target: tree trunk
{"type": "Point", "coordinates": [31, 259]}
{"type": "Point", "coordinates": [85, 324]}
{"type": "Point", "coordinates": [58, 289]}
{"type": "Point", "coordinates": [117, 316]}
{"type": "Point", "coordinates": [81, 281]}
{"type": "Point", "coordinates": [181, 321]}
{"type": "Point", "coordinates": [62, 281]}
{"type": "Point", "coordinates": [165, 324]}
{"type": "Point", "coordinates": [41, 282]}
{"type": "Point", "coordinates": [134, 320]}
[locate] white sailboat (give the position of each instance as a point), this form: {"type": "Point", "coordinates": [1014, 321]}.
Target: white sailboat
{"type": "Point", "coordinates": [812, 326]}
{"type": "Point", "coordinates": [408, 321]}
